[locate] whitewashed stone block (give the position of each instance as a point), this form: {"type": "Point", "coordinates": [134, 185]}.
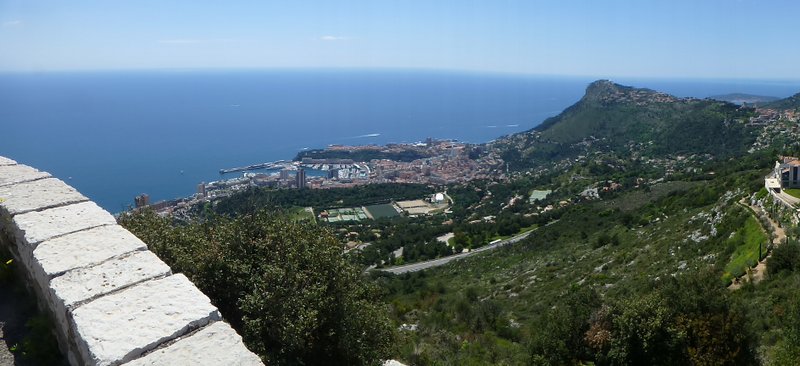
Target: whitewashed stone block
{"type": "Point", "coordinates": [35, 227]}
{"type": "Point", "coordinates": [13, 174]}
{"type": "Point", "coordinates": [84, 248]}
{"type": "Point", "coordinates": [37, 195]}
{"type": "Point", "coordinates": [216, 344]}
{"type": "Point", "coordinates": [119, 327]}
{"type": "Point", "coordinates": [84, 284]}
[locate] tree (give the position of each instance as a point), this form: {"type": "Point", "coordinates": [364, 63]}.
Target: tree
{"type": "Point", "coordinates": [558, 338]}
{"type": "Point", "coordinates": [285, 286]}
{"type": "Point", "coordinates": [787, 351]}
{"type": "Point", "coordinates": [642, 334]}
{"type": "Point", "coordinates": [687, 320]}
{"type": "Point", "coordinates": [784, 258]}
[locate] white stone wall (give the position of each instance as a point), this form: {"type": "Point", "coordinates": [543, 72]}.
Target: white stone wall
{"type": "Point", "coordinates": [113, 301]}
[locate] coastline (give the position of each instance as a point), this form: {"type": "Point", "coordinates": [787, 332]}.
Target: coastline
{"type": "Point", "coordinates": [436, 162]}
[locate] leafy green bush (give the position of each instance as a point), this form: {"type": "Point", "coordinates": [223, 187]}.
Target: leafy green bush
{"type": "Point", "coordinates": [40, 344]}
{"type": "Point", "coordinates": [285, 286]}
{"type": "Point", "coordinates": [787, 350]}
{"type": "Point", "coordinates": [560, 340]}
{"type": "Point", "coordinates": [784, 258]}
{"type": "Point", "coordinates": [687, 320]}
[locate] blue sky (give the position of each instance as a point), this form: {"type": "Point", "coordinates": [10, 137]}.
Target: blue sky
{"type": "Point", "coordinates": [612, 38]}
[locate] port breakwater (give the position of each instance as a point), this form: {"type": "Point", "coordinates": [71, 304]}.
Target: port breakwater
{"type": "Point", "coordinates": [269, 165]}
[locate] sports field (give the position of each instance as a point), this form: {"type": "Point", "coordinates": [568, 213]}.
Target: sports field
{"type": "Point", "coordinates": [382, 211]}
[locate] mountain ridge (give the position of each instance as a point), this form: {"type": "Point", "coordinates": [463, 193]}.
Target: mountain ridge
{"type": "Point", "coordinates": [616, 118]}
{"type": "Point", "coordinates": [788, 103]}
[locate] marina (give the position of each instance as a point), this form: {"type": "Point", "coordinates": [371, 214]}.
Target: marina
{"type": "Point", "coordinates": [280, 164]}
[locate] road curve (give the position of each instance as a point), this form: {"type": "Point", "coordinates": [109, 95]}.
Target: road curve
{"type": "Point", "coordinates": [413, 267]}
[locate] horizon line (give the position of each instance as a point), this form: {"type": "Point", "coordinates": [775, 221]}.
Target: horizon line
{"type": "Point", "coordinates": [395, 69]}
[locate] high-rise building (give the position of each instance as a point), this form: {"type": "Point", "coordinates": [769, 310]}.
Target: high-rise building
{"type": "Point", "coordinates": [284, 175]}
{"type": "Point", "coordinates": [333, 173]}
{"type": "Point", "coordinates": [141, 200]}
{"type": "Point", "coordinates": [201, 189]}
{"type": "Point", "coordinates": [300, 178]}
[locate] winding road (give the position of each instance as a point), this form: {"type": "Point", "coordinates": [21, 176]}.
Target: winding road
{"type": "Point", "coordinates": [419, 266]}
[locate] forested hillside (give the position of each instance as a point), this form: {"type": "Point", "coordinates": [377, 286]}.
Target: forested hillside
{"type": "Point", "coordinates": [638, 122]}
{"type": "Point", "coordinates": [790, 103]}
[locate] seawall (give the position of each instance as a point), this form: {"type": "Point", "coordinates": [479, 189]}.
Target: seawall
{"type": "Point", "coordinates": [113, 301]}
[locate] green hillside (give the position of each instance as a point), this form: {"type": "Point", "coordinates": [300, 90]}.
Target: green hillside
{"type": "Point", "coordinates": [623, 119]}
{"type": "Point", "coordinates": [638, 279]}
{"type": "Point", "coordinates": [790, 103]}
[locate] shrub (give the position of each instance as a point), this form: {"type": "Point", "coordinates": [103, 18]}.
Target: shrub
{"type": "Point", "coordinates": [285, 286]}
{"type": "Point", "coordinates": [784, 258]}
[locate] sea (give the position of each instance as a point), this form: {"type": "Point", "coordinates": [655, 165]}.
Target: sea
{"type": "Point", "coordinates": [116, 134]}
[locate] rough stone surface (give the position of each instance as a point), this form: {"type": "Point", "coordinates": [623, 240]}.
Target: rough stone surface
{"type": "Point", "coordinates": [12, 174]}
{"type": "Point", "coordinates": [86, 283]}
{"type": "Point", "coordinates": [35, 227]}
{"type": "Point", "coordinates": [121, 326]}
{"type": "Point", "coordinates": [83, 284]}
{"type": "Point", "coordinates": [37, 195]}
{"type": "Point", "coordinates": [84, 248]}
{"type": "Point", "coordinates": [6, 161]}
{"type": "Point", "coordinates": [216, 344]}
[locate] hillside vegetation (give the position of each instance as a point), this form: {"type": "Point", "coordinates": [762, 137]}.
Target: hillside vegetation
{"type": "Point", "coordinates": [610, 286]}
{"type": "Point", "coordinates": [645, 123]}
{"type": "Point", "coordinates": [283, 285]}
{"type": "Point", "coordinates": [790, 103]}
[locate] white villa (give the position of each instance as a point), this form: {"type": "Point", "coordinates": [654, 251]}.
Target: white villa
{"type": "Point", "coordinates": [786, 174]}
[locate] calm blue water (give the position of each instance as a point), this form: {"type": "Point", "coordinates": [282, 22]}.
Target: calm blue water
{"type": "Point", "coordinates": [114, 135]}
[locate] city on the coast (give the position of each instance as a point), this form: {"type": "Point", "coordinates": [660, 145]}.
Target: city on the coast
{"type": "Point", "coordinates": [438, 162]}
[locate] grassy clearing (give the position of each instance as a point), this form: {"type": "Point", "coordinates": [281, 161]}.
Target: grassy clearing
{"type": "Point", "coordinates": [382, 211]}
{"type": "Point", "coordinates": [301, 214]}
{"type": "Point", "coordinates": [746, 253]}
{"type": "Point", "coordinates": [521, 231]}
{"type": "Point", "coordinates": [529, 228]}
{"type": "Point", "coordinates": [794, 192]}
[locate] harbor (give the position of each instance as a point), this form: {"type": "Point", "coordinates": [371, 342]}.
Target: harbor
{"type": "Point", "coordinates": [280, 164]}
{"type": "Point", "coordinates": [441, 162]}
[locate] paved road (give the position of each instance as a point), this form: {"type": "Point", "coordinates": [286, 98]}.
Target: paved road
{"type": "Point", "coordinates": [786, 198]}
{"type": "Point", "coordinates": [442, 261]}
